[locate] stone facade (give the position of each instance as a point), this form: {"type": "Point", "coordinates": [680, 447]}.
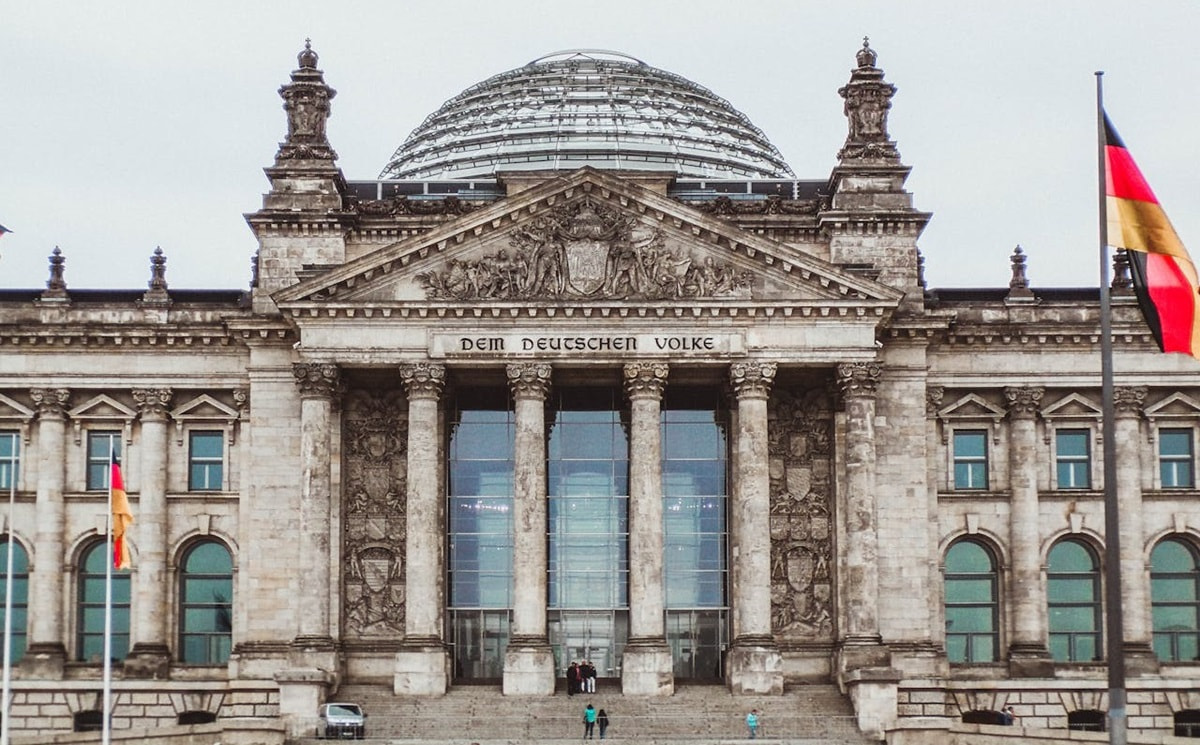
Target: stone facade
{"type": "Point", "coordinates": [335, 384]}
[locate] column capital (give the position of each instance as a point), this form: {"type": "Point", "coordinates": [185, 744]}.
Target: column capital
{"type": "Point", "coordinates": [317, 380]}
{"type": "Point", "coordinates": [1129, 401]}
{"type": "Point", "coordinates": [423, 379]}
{"type": "Point", "coordinates": [153, 402]}
{"type": "Point", "coordinates": [50, 402]}
{"type": "Point", "coordinates": [750, 379]}
{"type": "Point", "coordinates": [645, 379]}
{"type": "Point", "coordinates": [933, 399]}
{"type": "Point", "coordinates": [1023, 402]}
{"type": "Point", "coordinates": [858, 378]}
{"type": "Point", "coordinates": [529, 379]}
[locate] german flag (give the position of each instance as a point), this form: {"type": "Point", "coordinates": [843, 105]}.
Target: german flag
{"type": "Point", "coordinates": [1164, 276]}
{"type": "Point", "coordinates": [122, 518]}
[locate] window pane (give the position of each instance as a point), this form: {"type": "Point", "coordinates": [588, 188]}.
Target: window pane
{"type": "Point", "coordinates": [1072, 442]}
{"type": "Point", "coordinates": [1172, 556]}
{"type": "Point", "coordinates": [1175, 442]}
{"type": "Point", "coordinates": [969, 444]}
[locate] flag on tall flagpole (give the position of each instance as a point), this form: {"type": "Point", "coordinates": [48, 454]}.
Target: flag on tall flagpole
{"type": "Point", "coordinates": [122, 518]}
{"type": "Point", "coordinates": [1164, 276]}
{"type": "Point", "coordinates": [4, 230]}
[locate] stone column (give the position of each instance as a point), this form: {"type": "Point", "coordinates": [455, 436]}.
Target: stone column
{"type": "Point", "coordinates": [1027, 653]}
{"type": "Point", "coordinates": [1139, 652]}
{"type": "Point", "coordinates": [423, 664]}
{"type": "Point", "coordinates": [150, 656]}
{"type": "Point", "coordinates": [753, 665]}
{"type": "Point", "coordinates": [313, 645]}
{"type": "Point", "coordinates": [858, 571]}
{"type": "Point", "coordinates": [46, 652]}
{"type": "Point", "coordinates": [646, 669]}
{"type": "Point", "coordinates": [529, 661]}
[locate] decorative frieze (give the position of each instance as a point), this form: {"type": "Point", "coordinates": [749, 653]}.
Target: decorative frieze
{"type": "Point", "coordinates": [645, 379]}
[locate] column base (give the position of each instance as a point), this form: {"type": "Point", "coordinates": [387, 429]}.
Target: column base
{"type": "Point", "coordinates": [44, 660]}
{"type": "Point", "coordinates": [422, 669]}
{"type": "Point", "coordinates": [301, 693]}
{"type": "Point", "coordinates": [1140, 659]}
{"type": "Point", "coordinates": [529, 668]}
{"type": "Point", "coordinates": [862, 652]}
{"type": "Point", "coordinates": [148, 662]}
{"type": "Point", "coordinates": [754, 666]}
{"type": "Point", "coordinates": [647, 668]}
{"type": "Point", "coordinates": [314, 653]}
{"type": "Point", "coordinates": [1029, 661]}
{"type": "Point", "coordinates": [874, 692]}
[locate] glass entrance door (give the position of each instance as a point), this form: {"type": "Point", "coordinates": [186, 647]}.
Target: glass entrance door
{"type": "Point", "coordinates": [596, 636]}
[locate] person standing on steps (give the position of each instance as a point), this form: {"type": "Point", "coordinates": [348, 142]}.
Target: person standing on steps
{"type": "Point", "coordinates": [602, 720]}
{"type": "Point", "coordinates": [589, 723]}
{"type": "Point", "coordinates": [587, 673]}
{"type": "Point", "coordinates": [752, 723]}
{"type": "Point", "coordinates": [573, 679]}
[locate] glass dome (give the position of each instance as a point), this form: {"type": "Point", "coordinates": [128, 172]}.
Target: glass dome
{"type": "Point", "coordinates": [587, 107]}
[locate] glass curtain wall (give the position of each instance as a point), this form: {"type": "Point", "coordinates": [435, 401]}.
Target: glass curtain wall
{"type": "Point", "coordinates": [695, 491]}
{"type": "Point", "coordinates": [588, 532]}
{"type": "Point", "coordinates": [480, 552]}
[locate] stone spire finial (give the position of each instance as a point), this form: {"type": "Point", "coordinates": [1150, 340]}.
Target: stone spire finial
{"type": "Point", "coordinates": [1120, 268]}
{"type": "Point", "coordinates": [157, 294]}
{"type": "Point", "coordinates": [868, 99]}
{"type": "Point", "coordinates": [306, 100]}
{"type": "Point", "coordinates": [56, 285]}
{"type": "Point", "coordinates": [1018, 286]}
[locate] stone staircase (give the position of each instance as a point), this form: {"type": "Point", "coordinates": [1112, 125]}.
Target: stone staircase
{"type": "Point", "coordinates": [695, 715]}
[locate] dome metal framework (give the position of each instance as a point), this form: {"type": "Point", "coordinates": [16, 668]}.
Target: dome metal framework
{"type": "Point", "coordinates": [587, 107]}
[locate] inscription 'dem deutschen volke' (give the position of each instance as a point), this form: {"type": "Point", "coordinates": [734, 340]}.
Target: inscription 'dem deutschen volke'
{"type": "Point", "coordinates": [584, 345]}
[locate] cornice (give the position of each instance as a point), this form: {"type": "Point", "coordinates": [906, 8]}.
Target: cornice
{"type": "Point", "coordinates": [83, 336]}
{"type": "Point", "coordinates": [839, 311]}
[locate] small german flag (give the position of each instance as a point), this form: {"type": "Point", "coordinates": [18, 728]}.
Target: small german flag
{"type": "Point", "coordinates": [1164, 276]}
{"type": "Point", "coordinates": [122, 518]}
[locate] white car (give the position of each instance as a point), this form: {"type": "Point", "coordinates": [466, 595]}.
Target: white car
{"type": "Point", "coordinates": [342, 721]}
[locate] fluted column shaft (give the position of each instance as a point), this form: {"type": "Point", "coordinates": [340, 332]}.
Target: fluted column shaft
{"type": "Point", "coordinates": [1028, 596]}
{"type": "Point", "coordinates": [151, 602]}
{"type": "Point", "coordinates": [644, 384]}
{"type": "Point", "coordinates": [318, 384]}
{"type": "Point", "coordinates": [46, 580]}
{"type": "Point", "coordinates": [530, 384]}
{"type": "Point", "coordinates": [1128, 404]}
{"type": "Point", "coordinates": [750, 534]}
{"type": "Point", "coordinates": [860, 570]}
{"type": "Point", "coordinates": [423, 606]}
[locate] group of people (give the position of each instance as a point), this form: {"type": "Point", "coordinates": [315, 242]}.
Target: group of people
{"type": "Point", "coordinates": [591, 718]}
{"type": "Point", "coordinates": [581, 678]}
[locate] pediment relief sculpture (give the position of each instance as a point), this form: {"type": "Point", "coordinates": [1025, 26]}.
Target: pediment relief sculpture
{"type": "Point", "coordinates": [587, 250]}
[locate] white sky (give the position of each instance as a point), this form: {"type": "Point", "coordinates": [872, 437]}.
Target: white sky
{"type": "Point", "coordinates": [127, 126]}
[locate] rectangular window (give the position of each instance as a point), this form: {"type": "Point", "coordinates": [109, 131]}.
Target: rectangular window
{"type": "Point", "coordinates": [1174, 458]}
{"type": "Point", "coordinates": [206, 461]}
{"type": "Point", "coordinates": [10, 459]}
{"type": "Point", "coordinates": [970, 459]}
{"type": "Point", "coordinates": [1072, 458]}
{"type": "Point", "coordinates": [101, 445]}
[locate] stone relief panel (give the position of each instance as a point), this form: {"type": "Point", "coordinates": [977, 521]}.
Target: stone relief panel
{"type": "Point", "coordinates": [800, 430]}
{"type": "Point", "coordinates": [375, 434]}
{"type": "Point", "coordinates": [584, 249]}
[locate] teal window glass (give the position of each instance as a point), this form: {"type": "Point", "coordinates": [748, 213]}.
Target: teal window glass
{"type": "Point", "coordinates": [971, 603]}
{"type": "Point", "coordinates": [20, 594]}
{"type": "Point", "coordinates": [206, 461]}
{"type": "Point", "coordinates": [100, 446]}
{"type": "Point", "coordinates": [90, 628]}
{"type": "Point", "coordinates": [1073, 602]}
{"type": "Point", "coordinates": [10, 460]}
{"type": "Point", "coordinates": [1072, 458]}
{"type": "Point", "coordinates": [1175, 460]}
{"type": "Point", "coordinates": [206, 604]}
{"type": "Point", "coordinates": [1175, 600]}
{"type": "Point", "coordinates": [970, 459]}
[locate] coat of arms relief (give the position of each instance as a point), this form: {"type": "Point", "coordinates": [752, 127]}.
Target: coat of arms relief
{"type": "Point", "coordinates": [587, 250]}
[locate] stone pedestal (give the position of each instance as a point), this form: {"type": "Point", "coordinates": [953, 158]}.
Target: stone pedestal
{"type": "Point", "coordinates": [874, 692]}
{"type": "Point", "coordinates": [148, 661]}
{"type": "Point", "coordinates": [301, 693]}
{"type": "Point", "coordinates": [43, 661]}
{"type": "Point", "coordinates": [754, 668]}
{"type": "Point", "coordinates": [529, 668]}
{"type": "Point", "coordinates": [646, 669]}
{"type": "Point", "coordinates": [422, 670]}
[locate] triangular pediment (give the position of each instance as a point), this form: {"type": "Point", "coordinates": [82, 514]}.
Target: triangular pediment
{"type": "Point", "coordinates": [11, 410]}
{"type": "Point", "coordinates": [1072, 406]}
{"type": "Point", "coordinates": [588, 237]}
{"type": "Point", "coordinates": [971, 406]}
{"type": "Point", "coordinates": [204, 406]}
{"type": "Point", "coordinates": [1174, 405]}
{"type": "Point", "coordinates": [102, 407]}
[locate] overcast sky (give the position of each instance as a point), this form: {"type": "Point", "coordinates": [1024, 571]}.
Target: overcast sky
{"type": "Point", "coordinates": [127, 126]}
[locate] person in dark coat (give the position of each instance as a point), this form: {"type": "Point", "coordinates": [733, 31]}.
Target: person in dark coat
{"type": "Point", "coordinates": [573, 679]}
{"type": "Point", "coordinates": [602, 720]}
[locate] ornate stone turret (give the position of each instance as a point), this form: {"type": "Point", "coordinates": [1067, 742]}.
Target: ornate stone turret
{"type": "Point", "coordinates": [157, 292]}
{"type": "Point", "coordinates": [1018, 286]}
{"type": "Point", "coordinates": [868, 99]}
{"type": "Point", "coordinates": [306, 101]}
{"type": "Point", "coordinates": [56, 285]}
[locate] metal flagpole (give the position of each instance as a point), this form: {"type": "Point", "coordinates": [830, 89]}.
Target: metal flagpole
{"type": "Point", "coordinates": [1115, 648]}
{"type": "Point", "coordinates": [8, 593]}
{"type": "Point", "coordinates": [106, 731]}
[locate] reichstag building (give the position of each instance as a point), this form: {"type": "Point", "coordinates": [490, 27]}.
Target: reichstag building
{"type": "Point", "coordinates": [587, 372]}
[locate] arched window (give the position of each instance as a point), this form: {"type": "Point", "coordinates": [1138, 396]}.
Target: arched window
{"type": "Point", "coordinates": [20, 594]}
{"type": "Point", "coordinates": [206, 597]}
{"type": "Point", "coordinates": [1085, 720]}
{"type": "Point", "coordinates": [90, 639]}
{"type": "Point", "coordinates": [1175, 600]}
{"type": "Point", "coordinates": [971, 603]}
{"type": "Point", "coordinates": [1073, 601]}
{"type": "Point", "coordinates": [1187, 723]}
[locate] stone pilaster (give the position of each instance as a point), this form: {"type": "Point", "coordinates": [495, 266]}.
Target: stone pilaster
{"type": "Point", "coordinates": [753, 665]}
{"type": "Point", "coordinates": [313, 645]}
{"type": "Point", "coordinates": [1129, 403]}
{"type": "Point", "coordinates": [150, 656]}
{"type": "Point", "coordinates": [646, 669]}
{"type": "Point", "coordinates": [422, 664]}
{"type": "Point", "coordinates": [858, 575]}
{"type": "Point", "coordinates": [46, 653]}
{"type": "Point", "coordinates": [529, 661]}
{"type": "Point", "coordinates": [1027, 654]}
